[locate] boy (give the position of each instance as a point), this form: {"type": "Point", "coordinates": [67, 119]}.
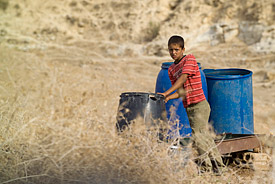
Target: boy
{"type": "Point", "coordinates": [185, 78]}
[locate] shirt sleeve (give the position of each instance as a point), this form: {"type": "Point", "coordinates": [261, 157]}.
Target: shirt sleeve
{"type": "Point", "coordinates": [190, 66]}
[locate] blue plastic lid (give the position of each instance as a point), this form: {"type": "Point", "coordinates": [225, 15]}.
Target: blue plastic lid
{"type": "Point", "coordinates": [231, 73]}
{"type": "Point", "coordinates": [199, 64]}
{"type": "Point", "coordinates": [166, 65]}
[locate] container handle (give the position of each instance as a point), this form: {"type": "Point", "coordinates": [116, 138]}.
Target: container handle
{"type": "Point", "coordinates": [153, 97]}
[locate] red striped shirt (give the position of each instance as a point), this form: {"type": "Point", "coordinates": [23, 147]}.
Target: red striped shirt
{"type": "Point", "coordinates": [192, 86]}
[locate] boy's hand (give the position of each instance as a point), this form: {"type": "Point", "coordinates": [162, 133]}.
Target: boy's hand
{"type": "Point", "coordinates": [163, 94]}
{"type": "Point", "coordinates": [166, 99]}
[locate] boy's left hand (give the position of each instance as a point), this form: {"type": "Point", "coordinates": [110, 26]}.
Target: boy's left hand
{"type": "Point", "coordinates": [163, 94]}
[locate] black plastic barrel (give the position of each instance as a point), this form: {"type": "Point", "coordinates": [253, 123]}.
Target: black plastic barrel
{"type": "Point", "coordinates": [149, 106]}
{"type": "Point", "coordinates": [231, 100]}
{"type": "Point", "coordinates": [163, 83]}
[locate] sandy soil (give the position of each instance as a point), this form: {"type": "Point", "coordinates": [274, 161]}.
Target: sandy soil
{"type": "Point", "coordinates": [64, 64]}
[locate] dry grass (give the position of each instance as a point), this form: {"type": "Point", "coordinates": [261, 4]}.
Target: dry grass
{"type": "Point", "coordinates": [58, 126]}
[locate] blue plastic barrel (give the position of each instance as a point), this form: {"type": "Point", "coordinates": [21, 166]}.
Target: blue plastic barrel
{"type": "Point", "coordinates": [163, 83]}
{"type": "Point", "coordinates": [231, 100]}
{"type": "Point", "coordinates": [203, 82]}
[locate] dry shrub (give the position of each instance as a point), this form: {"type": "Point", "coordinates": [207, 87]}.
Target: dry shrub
{"type": "Point", "coordinates": [4, 4]}
{"type": "Point", "coordinates": [54, 130]}
{"type": "Point", "coordinates": [58, 126]}
{"type": "Point", "coordinates": [82, 150]}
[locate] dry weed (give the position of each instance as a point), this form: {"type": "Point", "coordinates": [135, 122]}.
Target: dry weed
{"type": "Point", "coordinates": [58, 126]}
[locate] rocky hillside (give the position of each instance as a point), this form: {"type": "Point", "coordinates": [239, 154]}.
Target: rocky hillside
{"type": "Point", "coordinates": [136, 27]}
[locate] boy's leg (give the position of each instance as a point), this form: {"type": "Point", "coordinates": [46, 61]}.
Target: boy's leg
{"type": "Point", "coordinates": [198, 116]}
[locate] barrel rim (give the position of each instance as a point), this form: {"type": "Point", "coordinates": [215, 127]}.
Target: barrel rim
{"type": "Point", "coordinates": [208, 75]}
{"type": "Point", "coordinates": [126, 94]}
{"type": "Point", "coordinates": [166, 65]}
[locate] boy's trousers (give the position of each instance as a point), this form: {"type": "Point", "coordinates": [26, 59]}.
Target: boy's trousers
{"type": "Point", "coordinates": [198, 115]}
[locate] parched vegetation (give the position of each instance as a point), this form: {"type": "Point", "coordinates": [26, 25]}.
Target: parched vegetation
{"type": "Point", "coordinates": [57, 119]}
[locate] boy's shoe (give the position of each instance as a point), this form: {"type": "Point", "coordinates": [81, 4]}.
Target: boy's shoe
{"type": "Point", "coordinates": [204, 170]}
{"type": "Point", "coordinates": [218, 171]}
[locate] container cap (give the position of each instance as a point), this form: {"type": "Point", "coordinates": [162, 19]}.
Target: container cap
{"type": "Point", "coordinates": [199, 64]}
{"type": "Point", "coordinates": [166, 65]}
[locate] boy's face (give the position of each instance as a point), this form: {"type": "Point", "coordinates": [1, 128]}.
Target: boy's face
{"type": "Point", "coordinates": [175, 51]}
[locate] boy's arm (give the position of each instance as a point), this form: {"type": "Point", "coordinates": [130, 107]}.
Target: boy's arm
{"type": "Point", "coordinates": [178, 84]}
{"type": "Point", "coordinates": [172, 96]}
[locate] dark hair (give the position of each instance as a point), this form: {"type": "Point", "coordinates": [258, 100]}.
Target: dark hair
{"type": "Point", "coordinates": [176, 40]}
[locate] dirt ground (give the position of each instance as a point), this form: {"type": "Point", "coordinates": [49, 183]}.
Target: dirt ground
{"type": "Point", "coordinates": [68, 86]}
{"type": "Point", "coordinates": [64, 64]}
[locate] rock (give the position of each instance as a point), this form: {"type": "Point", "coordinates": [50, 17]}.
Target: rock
{"type": "Point", "coordinates": [250, 32]}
